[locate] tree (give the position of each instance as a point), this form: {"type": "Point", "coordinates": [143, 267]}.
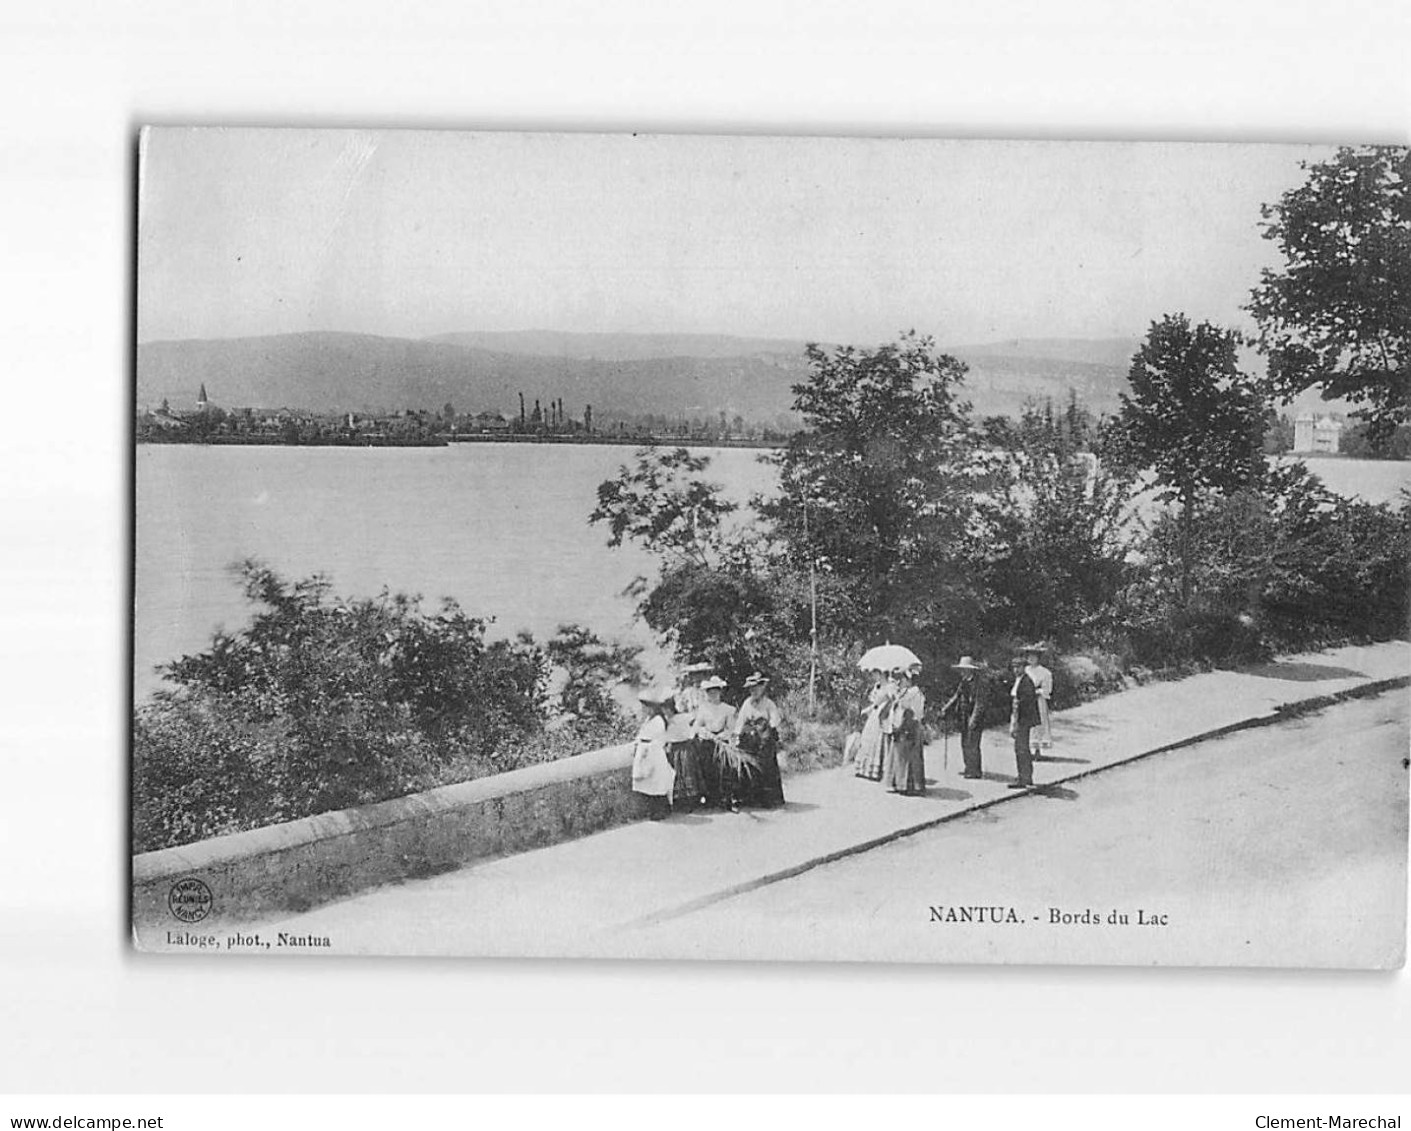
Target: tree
{"type": "Point", "coordinates": [1358, 444]}
{"type": "Point", "coordinates": [1338, 316]}
{"type": "Point", "coordinates": [717, 595]}
{"type": "Point", "coordinates": [659, 503]}
{"type": "Point", "coordinates": [1278, 438]}
{"type": "Point", "coordinates": [590, 668]}
{"type": "Point", "coordinates": [878, 488]}
{"type": "Point", "coordinates": [1056, 530]}
{"type": "Point", "coordinates": [1194, 420]}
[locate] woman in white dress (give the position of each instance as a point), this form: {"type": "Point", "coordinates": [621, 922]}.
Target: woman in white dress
{"type": "Point", "coordinates": [903, 751]}
{"type": "Point", "coordinates": [1043, 685]}
{"type": "Point", "coordinates": [869, 747]}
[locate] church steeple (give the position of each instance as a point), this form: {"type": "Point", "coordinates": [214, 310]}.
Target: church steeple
{"type": "Point", "coordinates": [201, 400]}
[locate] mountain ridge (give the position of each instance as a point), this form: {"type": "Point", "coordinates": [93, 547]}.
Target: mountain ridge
{"type": "Point", "coordinates": [348, 371]}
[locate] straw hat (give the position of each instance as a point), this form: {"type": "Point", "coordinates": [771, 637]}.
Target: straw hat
{"type": "Point", "coordinates": [967, 663]}
{"type": "Point", "coordinates": [655, 696]}
{"type": "Point", "coordinates": [755, 679]}
{"type": "Point", "coordinates": [713, 681]}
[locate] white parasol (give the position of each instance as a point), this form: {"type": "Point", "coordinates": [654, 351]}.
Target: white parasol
{"type": "Point", "coordinates": [888, 657]}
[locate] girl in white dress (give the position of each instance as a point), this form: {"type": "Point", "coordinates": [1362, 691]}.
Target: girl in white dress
{"type": "Point", "coordinates": [652, 775]}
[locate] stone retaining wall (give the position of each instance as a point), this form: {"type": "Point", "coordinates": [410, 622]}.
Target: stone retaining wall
{"type": "Point", "coordinates": [291, 867]}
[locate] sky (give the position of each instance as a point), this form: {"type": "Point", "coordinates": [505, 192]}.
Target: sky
{"type": "Point", "coordinates": [415, 233]}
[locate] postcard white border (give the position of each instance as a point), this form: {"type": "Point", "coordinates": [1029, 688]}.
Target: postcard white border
{"type": "Point", "coordinates": [81, 77]}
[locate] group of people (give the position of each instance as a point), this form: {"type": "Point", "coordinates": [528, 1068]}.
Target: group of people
{"type": "Point", "coordinates": [696, 751]}
{"type": "Point", "coordinates": [890, 746]}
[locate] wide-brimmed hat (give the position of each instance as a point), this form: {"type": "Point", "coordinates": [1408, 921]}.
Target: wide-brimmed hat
{"type": "Point", "coordinates": [755, 679]}
{"type": "Point", "coordinates": [713, 681]}
{"type": "Point", "coordinates": [967, 663]}
{"type": "Point", "coordinates": [657, 695]}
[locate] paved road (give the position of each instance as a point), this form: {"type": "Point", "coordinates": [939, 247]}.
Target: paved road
{"type": "Point", "coordinates": [1287, 842]}
{"type": "Point", "coordinates": [1189, 828]}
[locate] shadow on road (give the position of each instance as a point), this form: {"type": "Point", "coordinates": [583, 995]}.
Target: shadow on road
{"type": "Point", "coordinates": [1057, 792]}
{"type": "Point", "coordinates": [1056, 758]}
{"type": "Point", "coordinates": [1078, 726]}
{"type": "Point", "coordinates": [1301, 672]}
{"type": "Point", "coordinates": [946, 794]}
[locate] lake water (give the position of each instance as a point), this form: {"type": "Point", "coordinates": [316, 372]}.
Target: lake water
{"type": "Point", "coordinates": [501, 527]}
{"type": "Point", "coordinates": [1377, 481]}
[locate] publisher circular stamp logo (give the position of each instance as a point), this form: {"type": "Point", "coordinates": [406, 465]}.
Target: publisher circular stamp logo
{"type": "Point", "coordinates": [190, 900]}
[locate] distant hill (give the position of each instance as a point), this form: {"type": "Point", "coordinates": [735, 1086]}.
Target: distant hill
{"type": "Point", "coordinates": [620, 347]}
{"type": "Point", "coordinates": [667, 374]}
{"type": "Point", "coordinates": [1108, 352]}
{"type": "Point", "coordinates": [337, 372]}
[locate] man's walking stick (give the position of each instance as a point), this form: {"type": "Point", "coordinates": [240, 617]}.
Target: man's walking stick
{"type": "Point", "coordinates": [945, 746]}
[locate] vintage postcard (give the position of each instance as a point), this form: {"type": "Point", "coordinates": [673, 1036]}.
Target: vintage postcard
{"type": "Point", "coordinates": [866, 550]}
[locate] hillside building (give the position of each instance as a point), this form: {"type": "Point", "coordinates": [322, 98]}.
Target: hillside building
{"type": "Point", "coordinates": [1320, 435]}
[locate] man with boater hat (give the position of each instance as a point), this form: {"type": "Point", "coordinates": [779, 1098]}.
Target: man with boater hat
{"type": "Point", "coordinates": [968, 705]}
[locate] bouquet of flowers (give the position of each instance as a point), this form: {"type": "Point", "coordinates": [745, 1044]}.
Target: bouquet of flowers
{"type": "Point", "coordinates": [735, 760]}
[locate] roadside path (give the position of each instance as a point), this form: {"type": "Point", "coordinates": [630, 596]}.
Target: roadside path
{"type": "Point", "coordinates": [594, 896]}
{"type": "Point", "coordinates": [1273, 846]}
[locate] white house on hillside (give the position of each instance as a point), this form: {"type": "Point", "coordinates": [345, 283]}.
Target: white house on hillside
{"type": "Point", "coordinates": [1320, 434]}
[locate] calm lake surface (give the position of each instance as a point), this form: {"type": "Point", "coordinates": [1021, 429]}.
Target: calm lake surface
{"type": "Point", "coordinates": [503, 528]}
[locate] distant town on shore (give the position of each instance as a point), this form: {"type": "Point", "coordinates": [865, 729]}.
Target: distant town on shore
{"type": "Point", "coordinates": [359, 390]}
{"type": "Point", "coordinates": [1329, 434]}
{"type": "Point", "coordinates": [209, 423]}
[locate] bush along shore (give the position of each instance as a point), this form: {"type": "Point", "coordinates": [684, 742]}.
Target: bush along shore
{"type": "Point", "coordinates": [322, 703]}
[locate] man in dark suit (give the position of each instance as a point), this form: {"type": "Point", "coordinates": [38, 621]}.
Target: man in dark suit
{"type": "Point", "coordinates": [1024, 716]}
{"type": "Point", "coordinates": [968, 705]}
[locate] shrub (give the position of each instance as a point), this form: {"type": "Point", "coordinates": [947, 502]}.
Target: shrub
{"type": "Point", "coordinates": [1285, 567]}
{"type": "Point", "coordinates": [811, 744]}
{"type": "Point", "coordinates": [323, 703]}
